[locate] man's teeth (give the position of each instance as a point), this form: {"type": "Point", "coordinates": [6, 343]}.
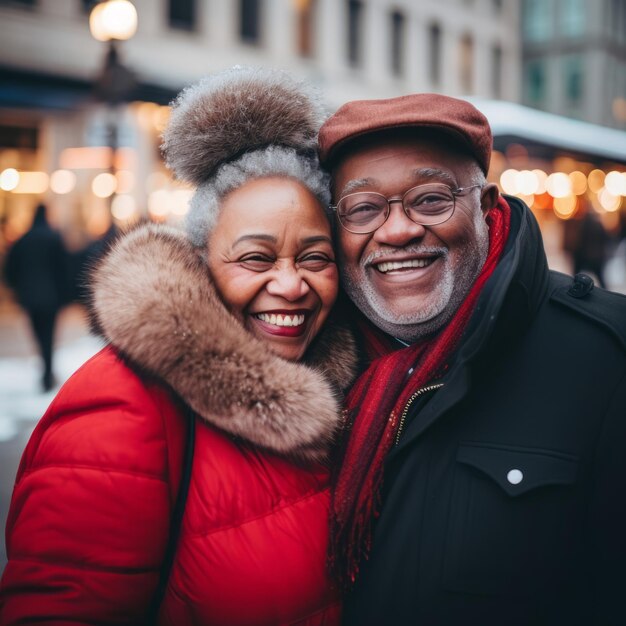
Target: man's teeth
{"type": "Point", "coordinates": [281, 320]}
{"type": "Point", "coordinates": [398, 265]}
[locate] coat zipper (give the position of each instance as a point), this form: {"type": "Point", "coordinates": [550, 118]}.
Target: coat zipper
{"type": "Point", "coordinates": [417, 394]}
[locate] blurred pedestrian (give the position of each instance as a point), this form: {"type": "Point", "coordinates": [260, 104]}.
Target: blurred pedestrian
{"type": "Point", "coordinates": [591, 250]}
{"type": "Point", "coordinates": [83, 261]}
{"type": "Point", "coordinates": [36, 269]}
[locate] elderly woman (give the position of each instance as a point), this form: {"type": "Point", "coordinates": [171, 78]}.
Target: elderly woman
{"type": "Point", "coordinates": [220, 338]}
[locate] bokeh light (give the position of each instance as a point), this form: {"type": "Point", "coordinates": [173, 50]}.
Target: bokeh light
{"type": "Point", "coordinates": [615, 183]}
{"type": "Point", "coordinates": [595, 180]}
{"type": "Point", "coordinates": [541, 177]}
{"type": "Point", "coordinates": [609, 201]}
{"type": "Point", "coordinates": [559, 185]}
{"type": "Point", "coordinates": [124, 207]}
{"type": "Point", "coordinates": [62, 181]}
{"type": "Point", "coordinates": [159, 204]}
{"type": "Point", "coordinates": [565, 206]}
{"type": "Point", "coordinates": [114, 19]}
{"type": "Point", "coordinates": [9, 179]}
{"type": "Point", "coordinates": [508, 181]}
{"type": "Point", "coordinates": [579, 182]}
{"type": "Point", "coordinates": [526, 182]}
{"type": "Point", "coordinates": [104, 185]}
{"type": "Point", "coordinates": [181, 200]}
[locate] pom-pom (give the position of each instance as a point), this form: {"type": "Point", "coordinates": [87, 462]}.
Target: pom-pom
{"type": "Point", "coordinates": [237, 111]}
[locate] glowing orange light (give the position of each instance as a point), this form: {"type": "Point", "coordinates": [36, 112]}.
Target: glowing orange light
{"type": "Point", "coordinates": [565, 207]}
{"type": "Point", "coordinates": [595, 180]}
{"type": "Point", "coordinates": [32, 182]}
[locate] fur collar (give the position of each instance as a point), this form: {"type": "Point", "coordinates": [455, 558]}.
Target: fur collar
{"type": "Point", "coordinates": [152, 298]}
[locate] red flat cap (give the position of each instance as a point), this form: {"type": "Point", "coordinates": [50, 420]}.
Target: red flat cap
{"type": "Point", "coordinates": [456, 117]}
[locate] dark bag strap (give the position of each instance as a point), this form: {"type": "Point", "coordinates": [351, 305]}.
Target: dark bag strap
{"type": "Point", "coordinates": [177, 519]}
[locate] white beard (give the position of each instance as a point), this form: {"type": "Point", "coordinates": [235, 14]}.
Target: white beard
{"type": "Point", "coordinates": [422, 321]}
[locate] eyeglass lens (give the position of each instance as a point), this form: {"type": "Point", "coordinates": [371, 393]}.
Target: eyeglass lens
{"type": "Point", "coordinates": [425, 204]}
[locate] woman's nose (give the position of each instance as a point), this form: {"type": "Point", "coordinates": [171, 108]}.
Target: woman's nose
{"type": "Point", "coordinates": [287, 283]}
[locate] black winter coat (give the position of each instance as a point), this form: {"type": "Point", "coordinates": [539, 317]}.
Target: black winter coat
{"type": "Point", "coordinates": [504, 502]}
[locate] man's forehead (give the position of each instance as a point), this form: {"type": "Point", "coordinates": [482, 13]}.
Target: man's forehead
{"type": "Point", "coordinates": [417, 175]}
{"type": "Point", "coordinates": [429, 149]}
{"type": "Point", "coordinates": [403, 139]}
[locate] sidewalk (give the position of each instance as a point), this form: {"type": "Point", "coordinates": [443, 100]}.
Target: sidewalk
{"type": "Point", "coordinates": [22, 402]}
{"type": "Point", "coordinates": [20, 369]}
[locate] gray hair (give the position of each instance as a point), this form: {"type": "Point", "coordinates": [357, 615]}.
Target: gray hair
{"type": "Point", "coordinates": [205, 204]}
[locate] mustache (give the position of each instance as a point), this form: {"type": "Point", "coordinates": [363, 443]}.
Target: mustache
{"type": "Point", "coordinates": [392, 254]}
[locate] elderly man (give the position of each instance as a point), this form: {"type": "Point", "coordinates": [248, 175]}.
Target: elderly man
{"type": "Point", "coordinates": [483, 478]}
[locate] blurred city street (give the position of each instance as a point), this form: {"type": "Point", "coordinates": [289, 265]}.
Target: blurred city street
{"type": "Point", "coordinates": [85, 100]}
{"type": "Point", "coordinates": [22, 402]}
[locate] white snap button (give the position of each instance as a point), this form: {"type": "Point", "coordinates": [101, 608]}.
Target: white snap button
{"type": "Point", "coordinates": [515, 477]}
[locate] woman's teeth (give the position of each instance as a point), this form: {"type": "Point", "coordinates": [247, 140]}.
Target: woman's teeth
{"type": "Point", "coordinates": [281, 320]}
{"type": "Point", "coordinates": [398, 265]}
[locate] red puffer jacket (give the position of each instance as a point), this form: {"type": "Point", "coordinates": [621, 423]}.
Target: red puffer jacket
{"type": "Point", "coordinates": [90, 515]}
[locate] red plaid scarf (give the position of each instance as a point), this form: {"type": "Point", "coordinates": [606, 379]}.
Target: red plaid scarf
{"type": "Point", "coordinates": [376, 402]}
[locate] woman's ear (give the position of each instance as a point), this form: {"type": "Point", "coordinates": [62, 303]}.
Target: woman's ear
{"type": "Point", "coordinates": [489, 197]}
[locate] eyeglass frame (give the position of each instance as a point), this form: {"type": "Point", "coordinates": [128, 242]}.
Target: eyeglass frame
{"type": "Point", "coordinates": [398, 198]}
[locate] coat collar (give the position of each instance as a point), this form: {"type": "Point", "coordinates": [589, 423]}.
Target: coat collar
{"type": "Point", "coordinates": [152, 298]}
{"type": "Point", "coordinates": [506, 307]}
{"type": "Point", "coordinates": [512, 296]}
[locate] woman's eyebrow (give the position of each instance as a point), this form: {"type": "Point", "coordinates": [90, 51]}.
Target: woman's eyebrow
{"type": "Point", "coordinates": [317, 239]}
{"type": "Point", "coordinates": [255, 236]}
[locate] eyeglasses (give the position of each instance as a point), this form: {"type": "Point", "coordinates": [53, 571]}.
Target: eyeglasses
{"type": "Point", "coordinates": [365, 211]}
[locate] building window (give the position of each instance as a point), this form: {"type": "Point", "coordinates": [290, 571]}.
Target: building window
{"type": "Point", "coordinates": [572, 17]}
{"type": "Point", "coordinates": [355, 27]}
{"type": "Point", "coordinates": [182, 14]}
{"type": "Point", "coordinates": [20, 137]}
{"type": "Point", "coordinates": [496, 71]}
{"type": "Point", "coordinates": [466, 63]}
{"type": "Point", "coordinates": [305, 25]}
{"type": "Point", "coordinates": [25, 3]}
{"type": "Point", "coordinates": [398, 28]}
{"type": "Point", "coordinates": [250, 21]}
{"type": "Point", "coordinates": [536, 82]}
{"type": "Point", "coordinates": [617, 20]}
{"type": "Point", "coordinates": [87, 5]}
{"type": "Point", "coordinates": [537, 20]}
{"type": "Point", "coordinates": [573, 77]}
{"type": "Point", "coordinates": [434, 54]}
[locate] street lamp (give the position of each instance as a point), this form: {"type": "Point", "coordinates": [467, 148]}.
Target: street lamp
{"type": "Point", "coordinates": [112, 21]}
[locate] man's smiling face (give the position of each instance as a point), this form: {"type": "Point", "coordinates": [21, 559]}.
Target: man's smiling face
{"type": "Point", "coordinates": [410, 279]}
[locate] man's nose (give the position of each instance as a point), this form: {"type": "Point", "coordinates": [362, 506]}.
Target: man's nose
{"type": "Point", "coordinates": [287, 283]}
{"type": "Point", "coordinates": [398, 229]}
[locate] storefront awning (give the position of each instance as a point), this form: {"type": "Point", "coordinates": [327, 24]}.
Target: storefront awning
{"type": "Point", "coordinates": [517, 122]}
{"type": "Point", "coordinates": [31, 90]}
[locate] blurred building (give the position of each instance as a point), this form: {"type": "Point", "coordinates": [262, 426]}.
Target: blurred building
{"type": "Point", "coordinates": [55, 135]}
{"type": "Point", "coordinates": [574, 59]}
{"type": "Point", "coordinates": [85, 137]}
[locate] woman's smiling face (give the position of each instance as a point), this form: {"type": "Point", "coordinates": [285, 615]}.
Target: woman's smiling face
{"type": "Point", "coordinates": [272, 260]}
